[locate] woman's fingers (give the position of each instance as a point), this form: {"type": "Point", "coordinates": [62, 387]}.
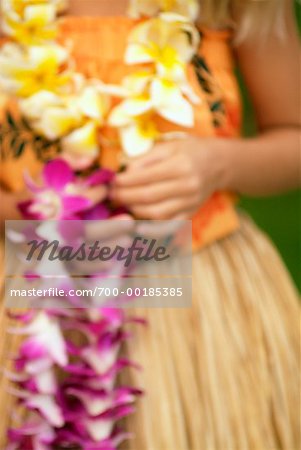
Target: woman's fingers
{"type": "Point", "coordinates": [169, 182]}
{"type": "Point", "coordinates": [165, 210]}
{"type": "Point", "coordinates": [171, 164]}
{"type": "Point", "coordinates": [160, 152]}
{"type": "Point", "coordinates": [153, 193]}
{"type": "Point", "coordinates": [160, 171]}
{"type": "Point", "coordinates": [108, 229]}
{"type": "Point", "coordinates": [96, 194]}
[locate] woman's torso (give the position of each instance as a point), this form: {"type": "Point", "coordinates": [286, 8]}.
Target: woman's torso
{"type": "Point", "coordinates": [98, 45]}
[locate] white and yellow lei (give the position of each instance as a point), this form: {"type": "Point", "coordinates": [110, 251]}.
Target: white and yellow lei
{"type": "Point", "coordinates": [62, 105]}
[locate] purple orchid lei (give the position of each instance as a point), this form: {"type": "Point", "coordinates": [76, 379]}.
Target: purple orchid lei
{"type": "Point", "coordinates": [69, 390]}
{"type": "Point", "coordinates": [62, 194]}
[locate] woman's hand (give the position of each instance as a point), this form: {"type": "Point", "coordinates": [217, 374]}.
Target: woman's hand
{"type": "Point", "coordinates": [171, 182]}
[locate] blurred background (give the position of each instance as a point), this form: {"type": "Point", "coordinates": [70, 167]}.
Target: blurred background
{"type": "Point", "coordinates": [279, 216]}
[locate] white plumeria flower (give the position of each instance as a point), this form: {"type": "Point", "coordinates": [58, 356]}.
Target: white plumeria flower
{"type": "Point", "coordinates": [9, 52]}
{"type": "Point", "coordinates": [93, 104]}
{"type": "Point", "coordinates": [137, 82]}
{"type": "Point", "coordinates": [35, 24]}
{"type": "Point", "coordinates": [33, 107]}
{"type": "Point", "coordinates": [54, 116]}
{"type": "Point", "coordinates": [169, 103]}
{"type": "Point", "coordinates": [189, 8]}
{"type": "Point", "coordinates": [19, 6]}
{"type": "Point", "coordinates": [139, 137]}
{"type": "Point", "coordinates": [141, 81]}
{"type": "Point", "coordinates": [169, 44]}
{"type": "Point", "coordinates": [61, 5]}
{"type": "Point", "coordinates": [56, 122]}
{"type": "Point", "coordinates": [81, 147]}
{"type": "Point", "coordinates": [25, 72]}
{"type": "Point", "coordinates": [49, 115]}
{"type": "Point", "coordinates": [137, 130]}
{"type": "Point", "coordinates": [165, 99]}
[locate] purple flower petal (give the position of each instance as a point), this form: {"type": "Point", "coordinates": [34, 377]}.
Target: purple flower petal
{"type": "Point", "coordinates": [40, 428]}
{"type": "Point", "coordinates": [31, 185]}
{"type": "Point", "coordinates": [121, 211]}
{"type": "Point", "coordinates": [122, 363]}
{"type": "Point", "coordinates": [101, 176]}
{"type": "Point", "coordinates": [31, 276]}
{"type": "Point", "coordinates": [125, 394]}
{"type": "Point", "coordinates": [22, 317]}
{"type": "Point", "coordinates": [114, 316]}
{"type": "Point", "coordinates": [118, 436]}
{"type": "Point", "coordinates": [42, 383]}
{"type": "Point", "coordinates": [98, 212]}
{"type": "Point", "coordinates": [72, 204]}
{"type": "Point", "coordinates": [79, 369]}
{"type": "Point", "coordinates": [73, 437]}
{"type": "Point", "coordinates": [95, 402]}
{"type": "Point", "coordinates": [25, 210]}
{"type": "Point", "coordinates": [57, 174]}
{"type": "Point", "coordinates": [70, 231]}
{"type": "Point", "coordinates": [32, 349]}
{"type": "Point", "coordinates": [48, 407]}
{"type": "Point", "coordinates": [117, 413]}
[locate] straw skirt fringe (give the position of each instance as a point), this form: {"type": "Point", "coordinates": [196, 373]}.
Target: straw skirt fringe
{"type": "Point", "coordinates": [224, 374]}
{"type": "Point", "coordinates": [8, 347]}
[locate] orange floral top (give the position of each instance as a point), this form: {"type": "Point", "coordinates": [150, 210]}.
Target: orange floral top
{"type": "Point", "coordinates": [98, 46]}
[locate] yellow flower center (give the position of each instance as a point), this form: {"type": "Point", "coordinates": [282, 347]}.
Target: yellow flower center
{"type": "Point", "coordinates": [147, 128]}
{"type": "Point", "coordinates": [167, 56]}
{"type": "Point", "coordinates": [167, 5]}
{"type": "Point", "coordinates": [40, 77]}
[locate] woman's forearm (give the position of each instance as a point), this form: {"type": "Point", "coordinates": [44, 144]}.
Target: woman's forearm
{"type": "Point", "coordinates": [264, 165]}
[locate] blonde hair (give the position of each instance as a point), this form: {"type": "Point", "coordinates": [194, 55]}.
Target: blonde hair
{"type": "Point", "coordinates": [246, 17]}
